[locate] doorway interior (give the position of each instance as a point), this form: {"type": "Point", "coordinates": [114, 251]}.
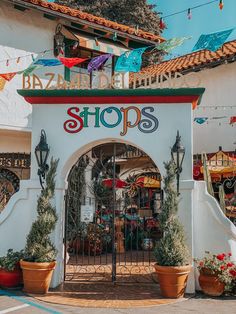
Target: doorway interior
{"type": "Point", "coordinates": [112, 206]}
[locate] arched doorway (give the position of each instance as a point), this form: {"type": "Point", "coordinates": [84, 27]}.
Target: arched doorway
{"type": "Point", "coordinates": [112, 206]}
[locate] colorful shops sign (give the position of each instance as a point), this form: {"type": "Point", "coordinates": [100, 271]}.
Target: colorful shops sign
{"type": "Point", "coordinates": [111, 117]}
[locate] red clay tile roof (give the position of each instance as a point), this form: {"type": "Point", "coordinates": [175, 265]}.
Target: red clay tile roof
{"type": "Point", "coordinates": [94, 19]}
{"type": "Point", "coordinates": [189, 62]}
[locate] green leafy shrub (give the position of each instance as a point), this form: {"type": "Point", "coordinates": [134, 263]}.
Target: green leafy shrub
{"type": "Point", "coordinates": [171, 250]}
{"type": "Point", "coordinates": [9, 262]}
{"type": "Point", "coordinates": [39, 247]}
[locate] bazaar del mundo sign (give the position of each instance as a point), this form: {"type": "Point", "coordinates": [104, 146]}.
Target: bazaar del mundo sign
{"type": "Point", "coordinates": [52, 80]}
{"type": "Point", "coordinates": [110, 117]}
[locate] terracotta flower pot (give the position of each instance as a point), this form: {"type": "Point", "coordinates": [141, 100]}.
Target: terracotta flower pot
{"type": "Point", "coordinates": [10, 279]}
{"type": "Point", "coordinates": [172, 280]}
{"type": "Point", "coordinates": [211, 285]}
{"type": "Point", "coordinates": [37, 276]}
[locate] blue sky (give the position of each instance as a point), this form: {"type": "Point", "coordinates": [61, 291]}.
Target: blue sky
{"type": "Point", "coordinates": [206, 19]}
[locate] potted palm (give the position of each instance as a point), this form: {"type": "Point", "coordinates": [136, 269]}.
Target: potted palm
{"type": "Point", "coordinates": [171, 252]}
{"type": "Point", "coordinates": [40, 254]}
{"type": "Point", "coordinates": [10, 272]}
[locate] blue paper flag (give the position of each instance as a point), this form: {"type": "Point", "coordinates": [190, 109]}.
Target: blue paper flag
{"type": "Point", "coordinates": [200, 120]}
{"type": "Point", "coordinates": [48, 62]}
{"type": "Point", "coordinates": [130, 61]}
{"type": "Point", "coordinates": [212, 41]}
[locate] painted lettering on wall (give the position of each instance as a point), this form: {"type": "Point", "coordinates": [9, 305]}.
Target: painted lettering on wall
{"type": "Point", "coordinates": [111, 117]}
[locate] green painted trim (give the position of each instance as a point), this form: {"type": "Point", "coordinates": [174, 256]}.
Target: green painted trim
{"type": "Point", "coordinates": [111, 92]}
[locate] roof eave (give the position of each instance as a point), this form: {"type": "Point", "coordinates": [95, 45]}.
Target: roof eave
{"type": "Point", "coordinates": [29, 5]}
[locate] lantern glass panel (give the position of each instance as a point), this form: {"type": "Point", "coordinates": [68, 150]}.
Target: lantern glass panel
{"type": "Point", "coordinates": [175, 158]}
{"type": "Point", "coordinates": [44, 155]}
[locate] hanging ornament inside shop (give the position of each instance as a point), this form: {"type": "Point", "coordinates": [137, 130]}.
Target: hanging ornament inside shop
{"type": "Point", "coordinates": [189, 15]}
{"type": "Point", "coordinates": [162, 24]}
{"type": "Point", "coordinates": [221, 4]}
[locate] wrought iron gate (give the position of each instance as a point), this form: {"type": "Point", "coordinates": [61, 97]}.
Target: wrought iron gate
{"type": "Point", "coordinates": [111, 222]}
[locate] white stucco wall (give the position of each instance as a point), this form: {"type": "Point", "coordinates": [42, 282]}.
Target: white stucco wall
{"type": "Point", "coordinates": [213, 231]}
{"type": "Point", "coordinates": [68, 147]}
{"type": "Point", "coordinates": [218, 101]}
{"type": "Point", "coordinates": [22, 33]}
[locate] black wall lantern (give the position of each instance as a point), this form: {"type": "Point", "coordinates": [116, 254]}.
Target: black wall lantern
{"type": "Point", "coordinates": [58, 40]}
{"type": "Point", "coordinates": [177, 154]}
{"type": "Point", "coordinates": [41, 153]}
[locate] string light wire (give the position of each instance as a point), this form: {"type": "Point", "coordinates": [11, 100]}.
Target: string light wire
{"type": "Point", "coordinates": [191, 8]}
{"type": "Point", "coordinates": [164, 17]}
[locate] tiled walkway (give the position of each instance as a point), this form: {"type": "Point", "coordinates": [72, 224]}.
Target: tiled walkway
{"type": "Point", "coordinates": [107, 295]}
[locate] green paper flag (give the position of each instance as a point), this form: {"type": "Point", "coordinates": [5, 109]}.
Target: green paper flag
{"type": "Point", "coordinates": [172, 43]}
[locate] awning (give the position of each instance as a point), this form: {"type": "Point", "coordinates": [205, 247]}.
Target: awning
{"type": "Point", "coordinates": [88, 41]}
{"type": "Point", "coordinates": [119, 184]}
{"type": "Point", "coordinates": [148, 182]}
{"type": "Point", "coordinates": [221, 164]}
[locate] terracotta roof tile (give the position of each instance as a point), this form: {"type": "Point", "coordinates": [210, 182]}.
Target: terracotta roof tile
{"type": "Point", "coordinates": [187, 62]}
{"type": "Point", "coordinates": [94, 19]}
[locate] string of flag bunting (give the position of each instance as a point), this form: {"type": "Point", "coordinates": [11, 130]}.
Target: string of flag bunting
{"type": "Point", "coordinates": [218, 119]}
{"type": "Point", "coordinates": [129, 61]}
{"type": "Point", "coordinates": [162, 25]}
{"type": "Point", "coordinates": [223, 107]}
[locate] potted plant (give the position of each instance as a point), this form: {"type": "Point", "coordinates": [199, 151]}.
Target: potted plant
{"type": "Point", "coordinates": [10, 271]}
{"type": "Point", "coordinates": [171, 252]}
{"type": "Point", "coordinates": [216, 273]}
{"type": "Point", "coordinates": [40, 254]}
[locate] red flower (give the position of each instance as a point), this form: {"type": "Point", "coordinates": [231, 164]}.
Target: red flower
{"type": "Point", "coordinates": [220, 257]}
{"type": "Point", "coordinates": [230, 264]}
{"type": "Point", "coordinates": [232, 272]}
{"type": "Point", "coordinates": [222, 267]}
{"type": "Point", "coordinates": [229, 254]}
{"type": "Point", "coordinates": [201, 264]}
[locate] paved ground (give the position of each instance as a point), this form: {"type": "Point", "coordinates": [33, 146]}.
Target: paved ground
{"type": "Point", "coordinates": [18, 303]}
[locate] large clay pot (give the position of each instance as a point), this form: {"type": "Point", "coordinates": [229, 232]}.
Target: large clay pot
{"type": "Point", "coordinates": [37, 276]}
{"type": "Point", "coordinates": [10, 279]}
{"type": "Point", "coordinates": [172, 280]}
{"type": "Point", "coordinates": [211, 285]}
